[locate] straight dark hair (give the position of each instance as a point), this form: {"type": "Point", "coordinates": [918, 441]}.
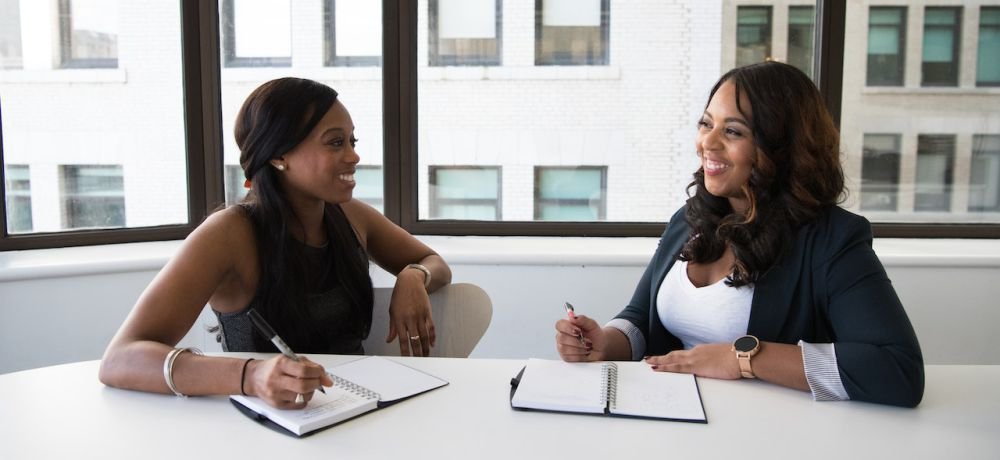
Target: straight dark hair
{"type": "Point", "coordinates": [796, 173]}
{"type": "Point", "coordinates": [275, 118]}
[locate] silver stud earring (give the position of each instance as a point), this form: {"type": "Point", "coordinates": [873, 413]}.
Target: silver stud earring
{"type": "Point", "coordinates": [281, 167]}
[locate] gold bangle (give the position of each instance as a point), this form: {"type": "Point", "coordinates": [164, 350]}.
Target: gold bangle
{"type": "Point", "coordinates": [168, 367]}
{"type": "Point", "coordinates": [427, 273]}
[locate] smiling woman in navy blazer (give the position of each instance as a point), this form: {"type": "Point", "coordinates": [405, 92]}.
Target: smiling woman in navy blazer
{"type": "Point", "coordinates": [761, 274]}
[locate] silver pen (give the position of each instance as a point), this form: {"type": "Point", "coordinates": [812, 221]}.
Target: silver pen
{"type": "Point", "coordinates": [266, 329]}
{"type": "Point", "coordinates": [571, 312]}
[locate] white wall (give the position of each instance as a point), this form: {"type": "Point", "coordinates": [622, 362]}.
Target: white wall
{"type": "Point", "coordinates": [63, 305]}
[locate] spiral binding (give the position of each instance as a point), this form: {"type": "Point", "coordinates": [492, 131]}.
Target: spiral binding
{"type": "Point", "coordinates": [354, 388]}
{"type": "Point", "coordinates": [609, 375]}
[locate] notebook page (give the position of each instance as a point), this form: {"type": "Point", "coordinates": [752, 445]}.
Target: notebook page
{"type": "Point", "coordinates": [561, 386]}
{"type": "Point", "coordinates": [390, 379]}
{"type": "Point", "coordinates": [643, 392]}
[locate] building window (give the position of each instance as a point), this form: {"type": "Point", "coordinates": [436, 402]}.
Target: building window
{"type": "Point", "coordinates": [942, 42]}
{"type": "Point", "coordinates": [369, 186]}
{"type": "Point", "coordinates": [880, 173]}
{"type": "Point", "coordinates": [753, 34]}
{"type": "Point", "coordinates": [18, 199]}
{"type": "Point", "coordinates": [935, 162]}
{"type": "Point", "coordinates": [575, 194]}
{"type": "Point", "coordinates": [10, 34]}
{"type": "Point", "coordinates": [886, 40]}
{"type": "Point", "coordinates": [800, 37]}
{"type": "Point", "coordinates": [353, 31]}
{"type": "Point", "coordinates": [93, 196]}
{"type": "Point", "coordinates": [256, 33]}
{"type": "Point", "coordinates": [88, 33]}
{"type": "Point", "coordinates": [984, 183]}
{"type": "Point", "coordinates": [988, 66]}
{"type": "Point", "coordinates": [464, 32]}
{"type": "Point", "coordinates": [571, 32]}
{"type": "Point", "coordinates": [234, 183]}
{"type": "Point", "coordinates": [465, 192]}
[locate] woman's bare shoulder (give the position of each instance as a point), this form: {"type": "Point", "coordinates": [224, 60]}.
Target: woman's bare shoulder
{"type": "Point", "coordinates": [230, 228]}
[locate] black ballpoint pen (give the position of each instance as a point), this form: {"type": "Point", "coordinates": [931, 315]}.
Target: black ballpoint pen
{"type": "Point", "coordinates": [264, 328]}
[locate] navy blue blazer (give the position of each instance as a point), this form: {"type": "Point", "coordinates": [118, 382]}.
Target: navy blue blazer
{"type": "Point", "coordinates": [829, 287]}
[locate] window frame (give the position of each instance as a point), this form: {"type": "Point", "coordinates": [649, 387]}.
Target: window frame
{"type": "Point", "coordinates": [434, 56]}
{"type": "Point", "coordinates": [538, 200]}
{"type": "Point", "coordinates": [955, 65]}
{"type": "Point", "coordinates": [200, 50]}
{"type": "Point", "coordinates": [979, 46]}
{"type": "Point", "coordinates": [434, 203]}
{"type": "Point", "coordinates": [330, 57]}
{"type": "Point", "coordinates": [901, 32]}
{"type": "Point", "coordinates": [605, 32]}
{"type": "Point", "coordinates": [66, 59]}
{"type": "Point", "coordinates": [228, 34]}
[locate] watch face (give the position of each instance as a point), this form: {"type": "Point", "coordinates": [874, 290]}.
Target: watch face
{"type": "Point", "coordinates": [745, 344]}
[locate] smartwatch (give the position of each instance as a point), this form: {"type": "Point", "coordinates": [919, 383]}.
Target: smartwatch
{"type": "Point", "coordinates": [745, 347]}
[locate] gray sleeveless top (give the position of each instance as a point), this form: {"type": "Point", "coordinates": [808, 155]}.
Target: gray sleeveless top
{"type": "Point", "coordinates": [327, 308]}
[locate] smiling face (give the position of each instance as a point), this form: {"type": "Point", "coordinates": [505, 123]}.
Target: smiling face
{"type": "Point", "coordinates": [321, 168]}
{"type": "Point", "coordinates": [725, 146]}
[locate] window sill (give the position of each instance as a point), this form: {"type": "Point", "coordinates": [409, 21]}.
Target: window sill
{"type": "Point", "coordinates": [62, 76]}
{"type": "Point", "coordinates": [476, 250]}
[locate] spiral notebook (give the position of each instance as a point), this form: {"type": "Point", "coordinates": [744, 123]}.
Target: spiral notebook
{"type": "Point", "coordinates": [619, 388]}
{"type": "Point", "coordinates": [359, 387]}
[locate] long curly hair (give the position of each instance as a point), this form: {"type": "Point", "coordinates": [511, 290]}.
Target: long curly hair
{"type": "Point", "coordinates": [796, 173]}
{"type": "Point", "coordinates": [275, 118]}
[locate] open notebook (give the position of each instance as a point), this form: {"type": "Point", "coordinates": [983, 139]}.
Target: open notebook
{"type": "Point", "coordinates": [359, 387]}
{"type": "Point", "coordinates": [620, 388]}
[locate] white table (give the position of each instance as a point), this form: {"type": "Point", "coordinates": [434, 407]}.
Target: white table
{"type": "Point", "coordinates": [65, 412]}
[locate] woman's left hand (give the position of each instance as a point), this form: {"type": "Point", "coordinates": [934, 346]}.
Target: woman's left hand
{"type": "Point", "coordinates": [410, 315]}
{"type": "Point", "coordinates": [713, 360]}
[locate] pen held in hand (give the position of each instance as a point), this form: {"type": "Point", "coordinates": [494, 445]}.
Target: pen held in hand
{"type": "Point", "coordinates": [265, 329]}
{"type": "Point", "coordinates": [571, 312]}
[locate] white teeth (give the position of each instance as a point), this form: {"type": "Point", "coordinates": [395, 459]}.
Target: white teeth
{"type": "Point", "coordinates": [347, 177]}
{"type": "Point", "coordinates": [713, 166]}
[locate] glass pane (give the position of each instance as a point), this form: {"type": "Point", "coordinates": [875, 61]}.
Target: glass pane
{"type": "Point", "coordinates": [369, 188]}
{"type": "Point", "coordinates": [10, 34]}
{"type": "Point", "coordinates": [345, 60]}
{"type": "Point", "coordinates": [466, 183]}
{"type": "Point", "coordinates": [256, 33]}
{"type": "Point", "coordinates": [89, 31]}
{"type": "Point", "coordinates": [988, 65]}
{"type": "Point", "coordinates": [886, 33]}
{"type": "Point", "coordinates": [569, 183]}
{"type": "Point", "coordinates": [880, 172]}
{"type": "Point", "coordinates": [464, 32]}
{"type": "Point", "coordinates": [984, 183]}
{"type": "Point", "coordinates": [571, 32]}
{"type": "Point", "coordinates": [103, 144]}
{"type": "Point", "coordinates": [634, 116]}
{"type": "Point", "coordinates": [800, 37]}
{"type": "Point", "coordinates": [18, 198]}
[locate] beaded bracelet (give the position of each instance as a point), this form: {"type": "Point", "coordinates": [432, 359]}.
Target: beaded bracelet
{"type": "Point", "coordinates": [168, 367]}
{"type": "Point", "coordinates": [243, 376]}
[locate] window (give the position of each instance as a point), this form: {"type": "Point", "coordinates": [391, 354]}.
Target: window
{"type": "Point", "coordinates": [984, 185]}
{"type": "Point", "coordinates": [369, 186]}
{"type": "Point", "coordinates": [256, 33]}
{"type": "Point", "coordinates": [93, 196]}
{"type": "Point", "coordinates": [18, 199]}
{"type": "Point", "coordinates": [234, 184]}
{"type": "Point", "coordinates": [575, 194]}
{"type": "Point", "coordinates": [886, 45]}
{"type": "Point", "coordinates": [467, 193]}
{"type": "Point", "coordinates": [87, 116]}
{"type": "Point", "coordinates": [89, 33]}
{"type": "Point", "coordinates": [353, 32]}
{"type": "Point", "coordinates": [10, 34]}
{"type": "Point", "coordinates": [942, 42]}
{"type": "Point", "coordinates": [935, 161]}
{"type": "Point", "coordinates": [753, 34]}
{"type": "Point", "coordinates": [880, 173]}
{"type": "Point", "coordinates": [464, 32]}
{"type": "Point", "coordinates": [988, 65]}
{"type": "Point", "coordinates": [571, 32]}
{"type": "Point", "coordinates": [800, 37]}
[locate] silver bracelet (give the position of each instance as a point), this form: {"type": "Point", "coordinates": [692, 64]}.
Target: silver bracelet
{"type": "Point", "coordinates": [168, 367]}
{"type": "Point", "coordinates": [427, 273]}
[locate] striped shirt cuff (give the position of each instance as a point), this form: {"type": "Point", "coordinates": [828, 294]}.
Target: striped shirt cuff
{"type": "Point", "coordinates": [820, 361]}
{"type": "Point", "coordinates": [635, 338]}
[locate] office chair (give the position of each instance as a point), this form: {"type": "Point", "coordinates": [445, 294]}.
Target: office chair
{"type": "Point", "coordinates": [461, 312]}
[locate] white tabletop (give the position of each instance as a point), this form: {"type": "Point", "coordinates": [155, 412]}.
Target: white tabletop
{"type": "Point", "coordinates": [65, 412]}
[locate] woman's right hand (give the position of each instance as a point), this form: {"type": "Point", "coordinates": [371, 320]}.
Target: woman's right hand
{"type": "Point", "coordinates": [279, 381]}
{"type": "Point", "coordinates": [580, 339]}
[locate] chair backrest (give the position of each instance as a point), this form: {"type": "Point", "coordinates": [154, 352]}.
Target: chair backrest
{"type": "Point", "coordinates": [461, 313]}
